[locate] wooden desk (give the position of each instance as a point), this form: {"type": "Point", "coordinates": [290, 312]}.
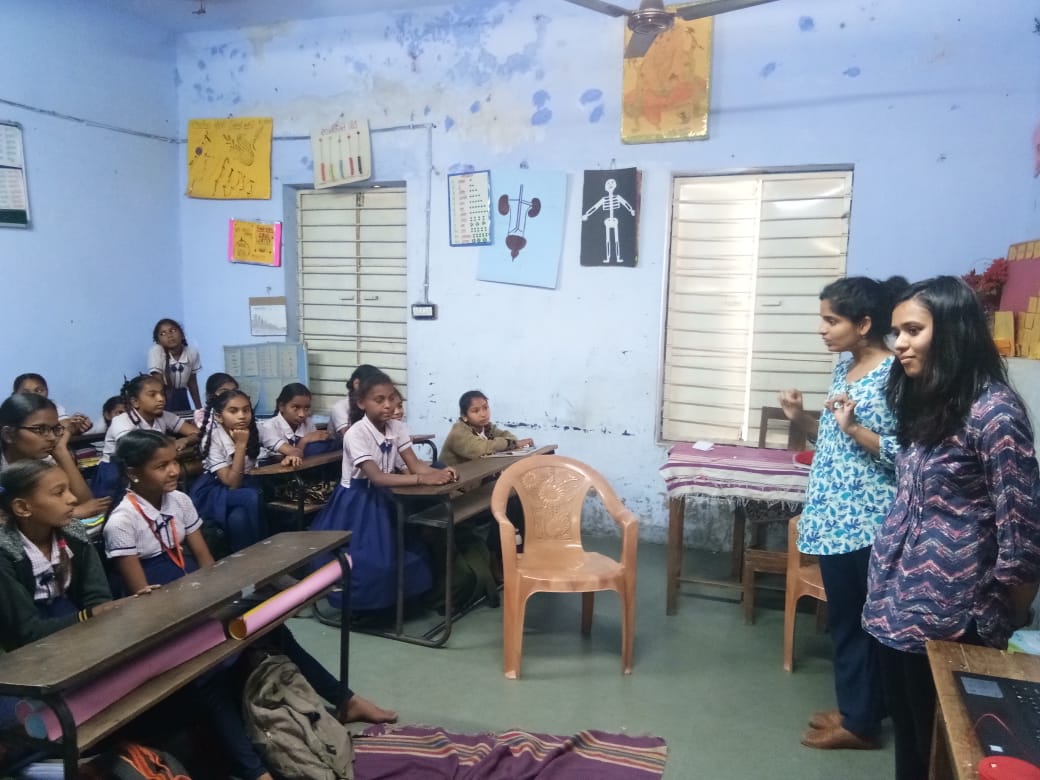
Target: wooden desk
{"type": "Point", "coordinates": [732, 474]}
{"type": "Point", "coordinates": [455, 502]}
{"type": "Point", "coordinates": [301, 507]}
{"type": "Point", "coordinates": [51, 667]}
{"type": "Point", "coordinates": [956, 752]}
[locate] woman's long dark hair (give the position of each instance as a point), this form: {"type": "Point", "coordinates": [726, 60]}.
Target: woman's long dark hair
{"type": "Point", "coordinates": [961, 361]}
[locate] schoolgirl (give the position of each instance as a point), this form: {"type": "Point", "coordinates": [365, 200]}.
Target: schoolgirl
{"type": "Point", "coordinates": [154, 536]}
{"type": "Point", "coordinates": [215, 385]}
{"type": "Point", "coordinates": [361, 502]}
{"type": "Point", "coordinates": [50, 575]}
{"type": "Point", "coordinates": [225, 493]}
{"type": "Point", "coordinates": [474, 435]}
{"type": "Point", "coordinates": [291, 432]}
{"type": "Point", "coordinates": [113, 407]}
{"type": "Point", "coordinates": [176, 364]}
{"type": "Point", "coordinates": [35, 383]}
{"type": "Point", "coordinates": [145, 402]}
{"type": "Point", "coordinates": [345, 411]}
{"type": "Point", "coordinates": [29, 430]}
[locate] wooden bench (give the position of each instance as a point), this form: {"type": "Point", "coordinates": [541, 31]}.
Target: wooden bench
{"type": "Point", "coordinates": [52, 667]}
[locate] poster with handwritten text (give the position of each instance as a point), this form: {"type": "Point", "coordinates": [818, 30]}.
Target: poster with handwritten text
{"type": "Point", "coordinates": [230, 159]}
{"type": "Point", "coordinates": [258, 243]}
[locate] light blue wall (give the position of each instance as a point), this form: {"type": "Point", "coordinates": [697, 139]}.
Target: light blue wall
{"type": "Point", "coordinates": [934, 102]}
{"type": "Point", "coordinates": [83, 287]}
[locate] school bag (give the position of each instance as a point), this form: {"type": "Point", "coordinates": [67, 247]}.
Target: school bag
{"type": "Point", "coordinates": [133, 761]}
{"type": "Point", "coordinates": [291, 724]}
{"type": "Point", "coordinates": [471, 571]}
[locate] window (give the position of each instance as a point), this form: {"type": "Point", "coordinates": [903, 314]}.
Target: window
{"type": "Point", "coordinates": [352, 285]}
{"type": "Point", "coordinates": [749, 256]}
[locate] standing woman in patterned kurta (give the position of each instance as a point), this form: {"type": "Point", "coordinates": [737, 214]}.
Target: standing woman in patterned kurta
{"type": "Point", "coordinates": [958, 556]}
{"type": "Point", "coordinates": [851, 487]}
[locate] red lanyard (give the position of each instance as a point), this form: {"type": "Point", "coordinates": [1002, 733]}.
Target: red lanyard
{"type": "Point", "coordinates": [175, 552]}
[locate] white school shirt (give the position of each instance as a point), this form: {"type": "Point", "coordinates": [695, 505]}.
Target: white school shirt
{"type": "Point", "coordinates": [339, 417]}
{"type": "Point", "coordinates": [363, 441]}
{"type": "Point", "coordinates": [43, 570]}
{"type": "Point", "coordinates": [46, 459]}
{"type": "Point", "coordinates": [222, 452]}
{"type": "Point", "coordinates": [275, 431]}
{"type": "Point", "coordinates": [122, 424]}
{"type": "Point", "coordinates": [177, 370]}
{"type": "Point", "coordinates": [127, 533]}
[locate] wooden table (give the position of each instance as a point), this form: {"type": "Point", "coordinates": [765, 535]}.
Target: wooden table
{"type": "Point", "coordinates": [301, 507]}
{"type": "Point", "coordinates": [50, 668]}
{"type": "Point", "coordinates": [956, 752]}
{"type": "Point", "coordinates": [455, 502]}
{"type": "Point", "coordinates": [729, 473]}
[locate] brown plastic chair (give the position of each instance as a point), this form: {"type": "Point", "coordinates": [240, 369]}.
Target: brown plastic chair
{"type": "Point", "coordinates": [803, 579]}
{"type": "Point", "coordinates": [552, 490]}
{"type": "Point", "coordinates": [756, 558]}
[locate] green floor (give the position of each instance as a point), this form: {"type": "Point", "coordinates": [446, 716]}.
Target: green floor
{"type": "Point", "coordinates": [705, 682]}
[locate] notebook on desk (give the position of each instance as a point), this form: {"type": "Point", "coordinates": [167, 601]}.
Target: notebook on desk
{"type": "Point", "coordinates": [1004, 713]}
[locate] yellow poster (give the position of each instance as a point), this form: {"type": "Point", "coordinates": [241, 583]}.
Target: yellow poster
{"type": "Point", "coordinates": [665, 93]}
{"type": "Point", "coordinates": [259, 243]}
{"type": "Point", "coordinates": [230, 159]}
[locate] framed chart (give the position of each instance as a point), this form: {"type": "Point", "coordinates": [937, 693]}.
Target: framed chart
{"type": "Point", "coordinates": [469, 208]}
{"type": "Point", "coordinates": [14, 194]}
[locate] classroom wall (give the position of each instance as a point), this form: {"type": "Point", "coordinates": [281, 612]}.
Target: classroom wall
{"type": "Point", "coordinates": [100, 264]}
{"type": "Point", "coordinates": [928, 100]}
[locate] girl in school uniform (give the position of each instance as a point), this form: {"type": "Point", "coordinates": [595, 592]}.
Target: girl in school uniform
{"type": "Point", "coordinates": [30, 430]}
{"type": "Point", "coordinates": [145, 402]}
{"type": "Point", "coordinates": [345, 411]}
{"type": "Point", "coordinates": [154, 536]}
{"type": "Point", "coordinates": [216, 384]}
{"type": "Point", "coordinates": [290, 433]}
{"type": "Point", "coordinates": [176, 363]}
{"type": "Point", "coordinates": [361, 502]}
{"type": "Point", "coordinates": [50, 575]}
{"type": "Point", "coordinates": [225, 494]}
{"type": "Point", "coordinates": [473, 435]}
{"type": "Point", "coordinates": [35, 383]}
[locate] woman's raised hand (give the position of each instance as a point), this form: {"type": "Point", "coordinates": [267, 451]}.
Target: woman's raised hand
{"type": "Point", "coordinates": [791, 402]}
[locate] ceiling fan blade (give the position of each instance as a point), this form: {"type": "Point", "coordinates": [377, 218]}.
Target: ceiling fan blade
{"type": "Point", "coordinates": [705, 8]}
{"type": "Point", "coordinates": [604, 8]}
{"type": "Point", "coordinates": [639, 44]}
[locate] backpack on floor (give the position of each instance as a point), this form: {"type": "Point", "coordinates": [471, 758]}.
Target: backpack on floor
{"type": "Point", "coordinates": [291, 724]}
{"type": "Point", "coordinates": [137, 762]}
{"type": "Point", "coordinates": [471, 574]}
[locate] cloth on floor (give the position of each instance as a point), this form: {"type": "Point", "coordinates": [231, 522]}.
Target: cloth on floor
{"type": "Point", "coordinates": [428, 753]}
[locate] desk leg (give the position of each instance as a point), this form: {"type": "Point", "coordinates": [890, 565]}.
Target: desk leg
{"type": "Point", "coordinates": [69, 748]}
{"type": "Point", "coordinates": [736, 566]}
{"type": "Point", "coordinates": [940, 765]}
{"type": "Point", "coordinates": [676, 520]}
{"type": "Point", "coordinates": [344, 633]}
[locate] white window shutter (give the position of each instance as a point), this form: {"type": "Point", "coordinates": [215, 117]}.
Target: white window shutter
{"type": "Point", "coordinates": [749, 256]}
{"type": "Point", "coordinates": [352, 286]}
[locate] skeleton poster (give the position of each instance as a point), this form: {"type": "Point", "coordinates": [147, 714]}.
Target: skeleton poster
{"type": "Point", "coordinates": [527, 214]}
{"type": "Point", "coordinates": [610, 218]}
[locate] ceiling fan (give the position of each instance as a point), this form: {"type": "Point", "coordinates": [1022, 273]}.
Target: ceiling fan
{"type": "Point", "coordinates": [652, 19]}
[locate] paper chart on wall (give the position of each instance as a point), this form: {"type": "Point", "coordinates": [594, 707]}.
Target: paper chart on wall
{"type": "Point", "coordinates": [263, 369]}
{"type": "Point", "coordinates": [469, 208]}
{"type": "Point", "coordinates": [267, 360]}
{"type": "Point", "coordinates": [230, 159]}
{"type": "Point", "coordinates": [14, 196]}
{"type": "Point", "coordinates": [342, 153]}
{"type": "Point", "coordinates": [250, 363]}
{"type": "Point", "coordinates": [287, 363]}
{"type": "Point", "coordinates": [233, 361]}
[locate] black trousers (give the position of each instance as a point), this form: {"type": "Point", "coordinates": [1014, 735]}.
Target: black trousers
{"type": "Point", "coordinates": [910, 695]}
{"type": "Point", "coordinates": [857, 678]}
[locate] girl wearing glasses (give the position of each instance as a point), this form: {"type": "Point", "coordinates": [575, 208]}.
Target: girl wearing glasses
{"type": "Point", "coordinates": [29, 430]}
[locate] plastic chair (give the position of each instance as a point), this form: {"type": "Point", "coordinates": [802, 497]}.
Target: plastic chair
{"type": "Point", "coordinates": [803, 579]}
{"type": "Point", "coordinates": [552, 490]}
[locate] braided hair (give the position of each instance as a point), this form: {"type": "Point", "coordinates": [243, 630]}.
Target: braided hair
{"type": "Point", "coordinates": [132, 388]}
{"type": "Point", "coordinates": [216, 406]}
{"type": "Point", "coordinates": [19, 480]}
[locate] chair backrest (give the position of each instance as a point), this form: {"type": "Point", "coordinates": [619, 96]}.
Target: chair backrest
{"type": "Point", "coordinates": [795, 435]}
{"type": "Point", "coordinates": [552, 490]}
{"type": "Point", "coordinates": [795, 560]}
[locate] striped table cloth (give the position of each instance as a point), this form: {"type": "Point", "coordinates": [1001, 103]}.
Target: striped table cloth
{"type": "Point", "coordinates": [736, 474]}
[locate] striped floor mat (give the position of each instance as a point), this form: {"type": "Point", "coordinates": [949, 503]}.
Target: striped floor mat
{"type": "Point", "coordinates": [428, 753]}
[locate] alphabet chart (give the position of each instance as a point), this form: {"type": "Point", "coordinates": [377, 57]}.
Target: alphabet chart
{"type": "Point", "coordinates": [469, 208]}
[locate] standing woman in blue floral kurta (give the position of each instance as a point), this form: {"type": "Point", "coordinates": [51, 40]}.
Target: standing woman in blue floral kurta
{"type": "Point", "coordinates": [851, 487]}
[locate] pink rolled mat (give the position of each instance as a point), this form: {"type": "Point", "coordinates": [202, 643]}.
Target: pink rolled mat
{"type": "Point", "coordinates": [286, 601]}
{"type": "Point", "coordinates": [89, 700]}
